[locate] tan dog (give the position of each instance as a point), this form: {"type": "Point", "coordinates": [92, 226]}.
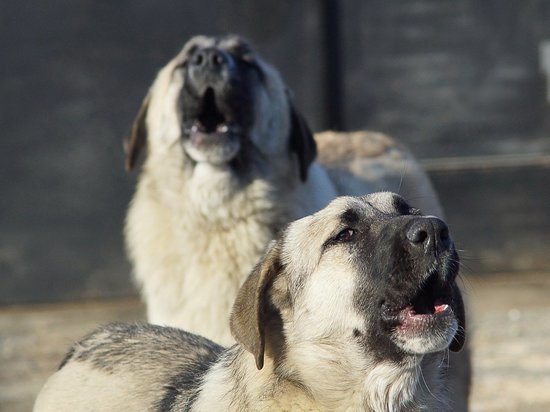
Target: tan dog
{"type": "Point", "coordinates": [351, 309]}
{"type": "Point", "coordinates": [229, 162]}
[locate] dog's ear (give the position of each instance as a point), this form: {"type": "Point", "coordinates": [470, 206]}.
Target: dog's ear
{"type": "Point", "coordinates": [137, 139]}
{"type": "Point", "coordinates": [460, 336]}
{"type": "Point", "coordinates": [301, 141]}
{"type": "Point", "coordinates": [249, 314]}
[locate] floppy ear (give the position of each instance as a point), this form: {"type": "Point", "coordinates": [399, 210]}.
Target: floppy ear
{"type": "Point", "coordinates": [301, 141]}
{"type": "Point", "coordinates": [460, 337]}
{"type": "Point", "coordinates": [249, 313]}
{"type": "Point", "coordinates": [136, 140]}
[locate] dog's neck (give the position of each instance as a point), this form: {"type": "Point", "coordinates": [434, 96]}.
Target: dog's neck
{"type": "Point", "coordinates": [341, 377]}
{"type": "Point", "coordinates": [414, 385]}
{"type": "Point", "coordinates": [213, 194]}
{"type": "Point", "coordinates": [216, 195]}
{"type": "Point", "coordinates": [221, 196]}
{"type": "Point", "coordinates": [417, 384]}
{"type": "Point", "coordinates": [235, 384]}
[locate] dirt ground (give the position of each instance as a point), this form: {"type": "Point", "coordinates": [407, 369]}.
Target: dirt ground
{"type": "Point", "coordinates": [509, 334]}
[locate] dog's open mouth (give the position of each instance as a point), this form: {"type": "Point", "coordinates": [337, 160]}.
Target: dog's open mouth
{"type": "Point", "coordinates": [426, 322]}
{"type": "Point", "coordinates": [213, 136]}
{"type": "Point", "coordinates": [431, 302]}
{"type": "Point", "coordinates": [210, 118]}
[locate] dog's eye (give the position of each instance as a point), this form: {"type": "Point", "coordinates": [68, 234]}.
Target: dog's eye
{"type": "Point", "coordinates": [345, 235]}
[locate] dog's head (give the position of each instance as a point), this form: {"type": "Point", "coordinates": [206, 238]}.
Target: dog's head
{"type": "Point", "coordinates": [220, 101]}
{"type": "Point", "coordinates": [366, 275]}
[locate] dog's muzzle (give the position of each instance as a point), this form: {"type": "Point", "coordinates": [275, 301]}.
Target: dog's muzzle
{"type": "Point", "coordinates": [211, 122]}
{"type": "Point", "coordinates": [423, 307]}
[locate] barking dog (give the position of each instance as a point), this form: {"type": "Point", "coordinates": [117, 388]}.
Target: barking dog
{"type": "Point", "coordinates": [351, 308]}
{"type": "Point", "coordinates": [230, 162]}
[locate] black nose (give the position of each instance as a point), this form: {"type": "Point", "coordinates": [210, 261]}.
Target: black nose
{"type": "Point", "coordinates": [210, 58]}
{"type": "Point", "coordinates": [428, 233]}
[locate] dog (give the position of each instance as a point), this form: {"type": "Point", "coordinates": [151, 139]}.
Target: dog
{"type": "Point", "coordinates": [229, 162]}
{"type": "Point", "coordinates": [351, 308]}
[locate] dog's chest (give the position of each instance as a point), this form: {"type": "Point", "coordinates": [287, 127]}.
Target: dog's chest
{"type": "Point", "coordinates": [190, 263]}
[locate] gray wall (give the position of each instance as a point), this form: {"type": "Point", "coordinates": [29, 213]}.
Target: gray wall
{"type": "Point", "coordinates": [449, 78]}
{"type": "Point", "coordinates": [462, 80]}
{"type": "Point", "coordinates": [452, 78]}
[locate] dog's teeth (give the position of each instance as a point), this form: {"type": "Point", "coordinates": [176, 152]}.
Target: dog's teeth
{"type": "Point", "coordinates": [223, 128]}
{"type": "Point", "coordinates": [194, 128]}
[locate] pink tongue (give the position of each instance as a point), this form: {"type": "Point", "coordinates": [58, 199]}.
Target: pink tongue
{"type": "Point", "coordinates": [440, 307]}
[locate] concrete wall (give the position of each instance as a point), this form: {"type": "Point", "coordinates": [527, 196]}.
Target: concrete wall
{"type": "Point", "coordinates": [462, 80]}
{"type": "Point", "coordinates": [449, 78]}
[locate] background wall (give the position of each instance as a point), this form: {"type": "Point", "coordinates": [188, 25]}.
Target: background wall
{"type": "Point", "coordinates": [459, 81]}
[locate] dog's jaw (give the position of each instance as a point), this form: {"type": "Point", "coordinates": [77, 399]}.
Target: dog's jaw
{"type": "Point", "coordinates": [425, 333]}
{"type": "Point", "coordinates": [212, 136]}
{"type": "Point", "coordinates": [427, 322]}
{"type": "Point", "coordinates": [216, 148]}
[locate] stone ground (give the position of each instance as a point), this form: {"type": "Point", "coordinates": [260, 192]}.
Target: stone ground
{"type": "Point", "coordinates": [510, 337]}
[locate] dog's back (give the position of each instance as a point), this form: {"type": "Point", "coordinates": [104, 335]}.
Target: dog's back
{"type": "Point", "coordinates": [363, 161]}
{"type": "Point", "coordinates": [132, 365]}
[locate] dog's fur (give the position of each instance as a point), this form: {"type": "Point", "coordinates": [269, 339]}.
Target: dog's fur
{"type": "Point", "coordinates": [352, 308]}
